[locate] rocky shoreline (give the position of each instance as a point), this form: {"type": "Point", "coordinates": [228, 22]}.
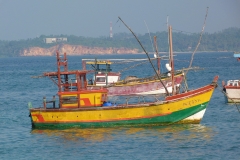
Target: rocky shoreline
{"type": "Point", "coordinates": [75, 50]}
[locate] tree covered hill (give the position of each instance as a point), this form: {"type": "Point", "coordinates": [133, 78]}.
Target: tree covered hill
{"type": "Point", "coordinates": [226, 40]}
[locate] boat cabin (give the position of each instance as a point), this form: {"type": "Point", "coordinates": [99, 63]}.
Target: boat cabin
{"type": "Point", "coordinates": [72, 87]}
{"type": "Point", "coordinates": [103, 74]}
{"type": "Point", "coordinates": [235, 83]}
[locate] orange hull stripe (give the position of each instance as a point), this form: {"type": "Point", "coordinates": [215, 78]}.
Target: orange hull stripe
{"type": "Point", "coordinates": [196, 92]}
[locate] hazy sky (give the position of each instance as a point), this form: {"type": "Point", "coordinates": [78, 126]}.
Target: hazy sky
{"type": "Point", "coordinates": [22, 19]}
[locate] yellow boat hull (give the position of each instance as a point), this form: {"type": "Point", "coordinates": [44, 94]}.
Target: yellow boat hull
{"type": "Point", "coordinates": [158, 113]}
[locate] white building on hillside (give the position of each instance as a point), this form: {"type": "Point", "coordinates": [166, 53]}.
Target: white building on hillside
{"type": "Point", "coordinates": [55, 40]}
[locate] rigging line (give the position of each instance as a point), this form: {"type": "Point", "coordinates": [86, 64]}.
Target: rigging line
{"type": "Point", "coordinates": [132, 66]}
{"type": "Point", "coordinates": [149, 35]}
{"type": "Point", "coordinates": [183, 31]}
{"type": "Point", "coordinates": [116, 23]}
{"type": "Point", "coordinates": [159, 76]}
{"type": "Point", "coordinates": [181, 60]}
{"type": "Point", "coordinates": [200, 38]}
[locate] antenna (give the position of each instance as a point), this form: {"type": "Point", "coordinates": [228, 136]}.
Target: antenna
{"type": "Point", "coordinates": [167, 22]}
{"type": "Point", "coordinates": [111, 34]}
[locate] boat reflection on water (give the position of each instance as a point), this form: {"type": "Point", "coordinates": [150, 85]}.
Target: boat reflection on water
{"type": "Point", "coordinates": [186, 132]}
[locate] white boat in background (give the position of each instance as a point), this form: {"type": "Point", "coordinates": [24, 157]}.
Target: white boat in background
{"type": "Point", "coordinates": [237, 55]}
{"type": "Point", "coordinates": [232, 88]}
{"type": "Point", "coordinates": [232, 91]}
{"type": "Point", "coordinates": [103, 76]}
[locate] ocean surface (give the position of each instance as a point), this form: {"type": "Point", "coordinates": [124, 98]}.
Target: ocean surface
{"type": "Point", "coordinates": [216, 137]}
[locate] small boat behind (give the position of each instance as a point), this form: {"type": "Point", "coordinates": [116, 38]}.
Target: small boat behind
{"type": "Point", "coordinates": [232, 91]}
{"type": "Point", "coordinates": [131, 85]}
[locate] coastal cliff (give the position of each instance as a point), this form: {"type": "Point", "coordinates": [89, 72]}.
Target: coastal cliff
{"type": "Point", "coordinates": [75, 50]}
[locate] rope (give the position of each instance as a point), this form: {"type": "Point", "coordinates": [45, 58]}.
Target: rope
{"type": "Point", "coordinates": [147, 55]}
{"type": "Point", "coordinates": [132, 66]}
{"type": "Point", "coordinates": [149, 35]}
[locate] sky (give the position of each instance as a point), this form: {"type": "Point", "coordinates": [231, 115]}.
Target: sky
{"type": "Point", "coordinates": [91, 18]}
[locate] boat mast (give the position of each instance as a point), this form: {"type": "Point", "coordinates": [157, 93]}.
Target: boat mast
{"type": "Point", "coordinates": [171, 58]}
{"type": "Point", "coordinates": [62, 62]}
{"type": "Point", "coordinates": [95, 71]}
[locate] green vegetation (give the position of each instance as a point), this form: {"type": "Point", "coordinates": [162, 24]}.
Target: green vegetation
{"type": "Point", "coordinates": [226, 40]}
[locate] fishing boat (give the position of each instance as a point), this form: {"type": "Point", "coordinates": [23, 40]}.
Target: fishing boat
{"type": "Point", "coordinates": [131, 85]}
{"type": "Point", "coordinates": [80, 106]}
{"type": "Point", "coordinates": [232, 91]}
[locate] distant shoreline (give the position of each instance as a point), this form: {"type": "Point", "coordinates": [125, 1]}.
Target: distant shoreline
{"type": "Point", "coordinates": [127, 53]}
{"type": "Point", "coordinates": [196, 52]}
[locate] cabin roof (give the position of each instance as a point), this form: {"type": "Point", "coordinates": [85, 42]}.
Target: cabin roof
{"type": "Point", "coordinates": [98, 62]}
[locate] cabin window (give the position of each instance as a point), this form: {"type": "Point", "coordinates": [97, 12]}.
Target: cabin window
{"type": "Point", "coordinates": [100, 79]}
{"type": "Point", "coordinates": [69, 99]}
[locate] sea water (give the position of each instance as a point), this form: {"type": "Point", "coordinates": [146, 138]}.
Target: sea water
{"type": "Point", "coordinates": [216, 137]}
